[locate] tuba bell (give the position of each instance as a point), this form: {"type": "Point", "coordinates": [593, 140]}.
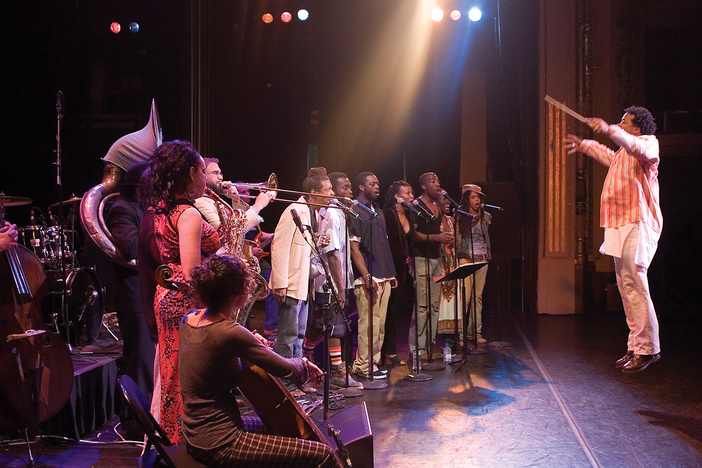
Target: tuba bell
{"type": "Point", "coordinates": [128, 150]}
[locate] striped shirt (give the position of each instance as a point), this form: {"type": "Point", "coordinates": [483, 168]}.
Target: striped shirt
{"type": "Point", "coordinates": [630, 192]}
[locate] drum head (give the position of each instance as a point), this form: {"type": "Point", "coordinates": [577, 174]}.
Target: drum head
{"type": "Point", "coordinates": [84, 300]}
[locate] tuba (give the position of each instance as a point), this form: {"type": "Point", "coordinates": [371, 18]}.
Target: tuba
{"type": "Point", "coordinates": [128, 150]}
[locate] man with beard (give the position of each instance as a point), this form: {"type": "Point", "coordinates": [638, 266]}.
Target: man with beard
{"type": "Point", "coordinates": [374, 272]}
{"type": "Point", "coordinates": [218, 212]}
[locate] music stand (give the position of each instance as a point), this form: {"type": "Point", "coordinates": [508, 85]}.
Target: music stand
{"type": "Point", "coordinates": [462, 272]}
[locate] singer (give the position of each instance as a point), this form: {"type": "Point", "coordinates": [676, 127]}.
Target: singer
{"type": "Point", "coordinates": [398, 207]}
{"type": "Point", "coordinates": [427, 261]}
{"type": "Point", "coordinates": [473, 245]}
{"type": "Point", "coordinates": [290, 262]}
{"type": "Point", "coordinates": [375, 275]}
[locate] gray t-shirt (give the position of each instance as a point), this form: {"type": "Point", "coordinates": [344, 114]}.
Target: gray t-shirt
{"type": "Point", "coordinates": [210, 368]}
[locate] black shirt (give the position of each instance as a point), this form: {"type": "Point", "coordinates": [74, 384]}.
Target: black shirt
{"type": "Point", "coordinates": [373, 242]}
{"type": "Point", "coordinates": [426, 225]}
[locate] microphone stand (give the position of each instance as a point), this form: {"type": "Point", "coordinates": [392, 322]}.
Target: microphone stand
{"type": "Point", "coordinates": [328, 291]}
{"type": "Point", "coordinates": [476, 350]}
{"type": "Point", "coordinates": [429, 341]}
{"type": "Point", "coordinates": [346, 349]}
{"type": "Point", "coordinates": [415, 374]}
{"type": "Point", "coordinates": [455, 358]}
{"type": "Point", "coordinates": [373, 384]}
{"type": "Point", "coordinates": [59, 183]}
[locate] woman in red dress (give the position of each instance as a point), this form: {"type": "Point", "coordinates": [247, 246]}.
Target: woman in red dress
{"type": "Point", "coordinates": [184, 240]}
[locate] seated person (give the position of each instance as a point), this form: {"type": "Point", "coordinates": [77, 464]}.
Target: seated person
{"type": "Point", "coordinates": [210, 348]}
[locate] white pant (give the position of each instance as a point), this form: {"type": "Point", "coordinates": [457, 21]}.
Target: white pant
{"type": "Point", "coordinates": [632, 280]}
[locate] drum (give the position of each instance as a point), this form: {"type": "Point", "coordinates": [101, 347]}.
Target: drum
{"type": "Point", "coordinates": [84, 303]}
{"type": "Point", "coordinates": [45, 243]}
{"type": "Point", "coordinates": [35, 239]}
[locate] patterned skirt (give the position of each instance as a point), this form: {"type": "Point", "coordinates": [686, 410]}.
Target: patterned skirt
{"type": "Point", "coordinates": [170, 307]}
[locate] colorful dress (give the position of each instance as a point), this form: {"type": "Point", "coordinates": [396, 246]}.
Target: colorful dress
{"type": "Point", "coordinates": [170, 307]}
{"type": "Point", "coordinates": [447, 301]}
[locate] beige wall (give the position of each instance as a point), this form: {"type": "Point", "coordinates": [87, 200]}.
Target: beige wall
{"type": "Point", "coordinates": [473, 128]}
{"type": "Point", "coordinates": [556, 268]}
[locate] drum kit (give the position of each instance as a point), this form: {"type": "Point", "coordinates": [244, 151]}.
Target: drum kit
{"type": "Point", "coordinates": [74, 289]}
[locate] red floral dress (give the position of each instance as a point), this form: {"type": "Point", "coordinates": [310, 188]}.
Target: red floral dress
{"type": "Point", "coordinates": [170, 307]}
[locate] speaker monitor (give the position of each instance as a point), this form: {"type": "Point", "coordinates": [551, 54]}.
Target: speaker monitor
{"type": "Point", "coordinates": [355, 433]}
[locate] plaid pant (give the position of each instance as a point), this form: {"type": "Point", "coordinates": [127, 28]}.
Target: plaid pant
{"type": "Point", "coordinates": [251, 448]}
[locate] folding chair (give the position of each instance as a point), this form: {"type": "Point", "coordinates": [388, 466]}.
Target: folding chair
{"type": "Point", "coordinates": [166, 454]}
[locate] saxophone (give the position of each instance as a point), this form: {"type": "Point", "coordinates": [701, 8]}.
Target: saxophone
{"type": "Point", "coordinates": [232, 231]}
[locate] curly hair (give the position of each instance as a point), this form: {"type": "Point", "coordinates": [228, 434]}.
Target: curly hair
{"type": "Point", "coordinates": [220, 278]}
{"type": "Point", "coordinates": [393, 190]}
{"type": "Point", "coordinates": [642, 119]}
{"type": "Point", "coordinates": [464, 222]}
{"type": "Point", "coordinates": [169, 174]}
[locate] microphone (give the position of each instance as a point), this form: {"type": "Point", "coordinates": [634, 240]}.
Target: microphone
{"type": "Point", "coordinates": [90, 296]}
{"type": "Point", "coordinates": [297, 220]}
{"type": "Point", "coordinates": [492, 207]}
{"type": "Point", "coordinates": [59, 99]}
{"type": "Point", "coordinates": [337, 203]}
{"type": "Point", "coordinates": [364, 207]}
{"type": "Point", "coordinates": [464, 213]}
{"type": "Point", "coordinates": [409, 207]}
{"type": "Point", "coordinates": [424, 212]}
{"type": "Point", "coordinates": [31, 217]}
{"type": "Point", "coordinates": [446, 196]}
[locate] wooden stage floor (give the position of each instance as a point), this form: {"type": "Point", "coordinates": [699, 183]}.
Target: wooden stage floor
{"type": "Point", "coordinates": [552, 399]}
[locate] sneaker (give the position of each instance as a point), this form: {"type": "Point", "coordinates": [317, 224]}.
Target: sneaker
{"type": "Point", "coordinates": [377, 374]}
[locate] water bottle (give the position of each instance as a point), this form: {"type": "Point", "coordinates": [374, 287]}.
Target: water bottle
{"type": "Point", "coordinates": [447, 353]}
{"type": "Point", "coordinates": [418, 366]}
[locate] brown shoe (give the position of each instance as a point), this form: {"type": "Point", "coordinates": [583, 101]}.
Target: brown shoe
{"type": "Point", "coordinates": [640, 362]}
{"type": "Point", "coordinates": [624, 359]}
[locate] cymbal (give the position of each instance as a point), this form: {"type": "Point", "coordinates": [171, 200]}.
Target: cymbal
{"type": "Point", "coordinates": [7, 200]}
{"type": "Point", "coordinates": [70, 201]}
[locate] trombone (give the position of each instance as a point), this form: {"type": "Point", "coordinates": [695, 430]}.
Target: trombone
{"type": "Point", "coordinates": [272, 185]}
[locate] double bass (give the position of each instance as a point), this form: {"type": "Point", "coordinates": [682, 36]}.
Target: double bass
{"type": "Point", "coordinates": [35, 364]}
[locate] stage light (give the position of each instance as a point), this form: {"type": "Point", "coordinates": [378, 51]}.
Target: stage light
{"type": "Point", "coordinates": [134, 27]}
{"type": "Point", "coordinates": [303, 14]}
{"type": "Point", "coordinates": [115, 27]}
{"type": "Point", "coordinates": [437, 14]}
{"type": "Point", "coordinates": [286, 17]}
{"type": "Point", "coordinates": [475, 14]}
{"type": "Point", "coordinates": [455, 15]}
{"type": "Point", "coordinates": [267, 18]}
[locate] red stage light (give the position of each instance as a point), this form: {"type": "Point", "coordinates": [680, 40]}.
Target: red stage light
{"type": "Point", "coordinates": [286, 17]}
{"type": "Point", "coordinates": [267, 18]}
{"type": "Point", "coordinates": [115, 27]}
